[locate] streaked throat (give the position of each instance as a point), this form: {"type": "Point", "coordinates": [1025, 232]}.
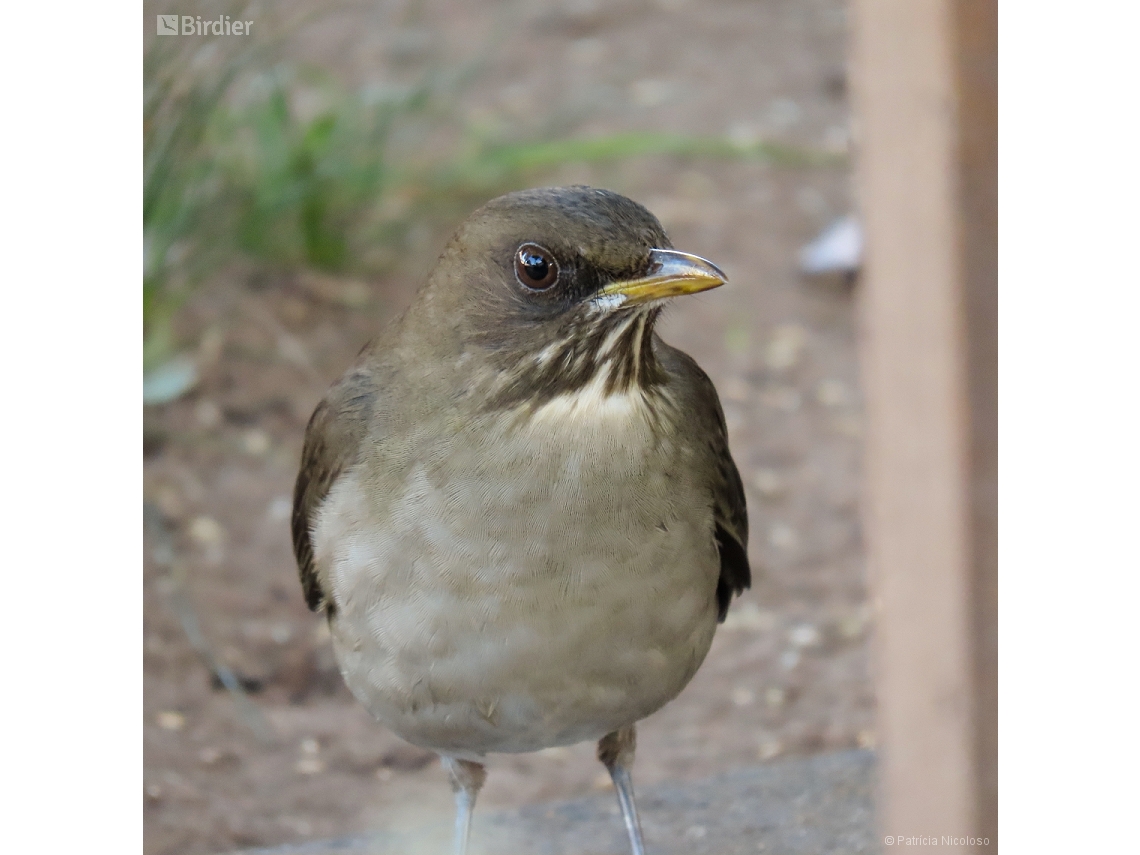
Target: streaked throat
{"type": "Point", "coordinates": [595, 358]}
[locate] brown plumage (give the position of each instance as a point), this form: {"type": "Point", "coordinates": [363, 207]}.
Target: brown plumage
{"type": "Point", "coordinates": [518, 508]}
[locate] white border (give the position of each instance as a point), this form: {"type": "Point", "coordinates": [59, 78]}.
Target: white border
{"type": "Point", "coordinates": [1070, 431]}
{"type": "Point", "coordinates": [71, 426]}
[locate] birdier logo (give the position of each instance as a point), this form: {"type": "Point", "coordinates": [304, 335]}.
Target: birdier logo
{"type": "Point", "coordinates": [193, 25]}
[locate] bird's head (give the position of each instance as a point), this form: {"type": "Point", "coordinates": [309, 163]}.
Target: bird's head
{"type": "Point", "coordinates": [558, 287]}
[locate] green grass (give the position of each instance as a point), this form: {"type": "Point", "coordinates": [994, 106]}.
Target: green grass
{"type": "Point", "coordinates": [185, 230]}
{"type": "Point", "coordinates": [306, 190]}
{"type": "Point", "coordinates": [528, 157]}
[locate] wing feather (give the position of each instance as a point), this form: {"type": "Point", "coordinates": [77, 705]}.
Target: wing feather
{"type": "Point", "coordinates": [729, 508]}
{"type": "Point", "coordinates": [333, 440]}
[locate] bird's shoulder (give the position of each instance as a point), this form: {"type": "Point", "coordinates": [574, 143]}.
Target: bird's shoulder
{"type": "Point", "coordinates": [334, 438]}
{"type": "Point", "coordinates": [699, 400]}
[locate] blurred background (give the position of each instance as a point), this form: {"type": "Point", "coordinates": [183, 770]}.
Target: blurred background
{"type": "Point", "coordinates": [299, 183]}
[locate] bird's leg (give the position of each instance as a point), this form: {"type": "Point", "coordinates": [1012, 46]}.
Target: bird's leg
{"type": "Point", "coordinates": [616, 751]}
{"type": "Point", "coordinates": [466, 779]}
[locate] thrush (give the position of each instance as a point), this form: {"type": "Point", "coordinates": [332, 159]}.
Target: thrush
{"type": "Point", "coordinates": [518, 510]}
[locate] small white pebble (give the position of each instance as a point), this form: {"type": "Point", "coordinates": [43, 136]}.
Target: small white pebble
{"type": "Point", "coordinates": [783, 536]}
{"type": "Point", "coordinates": [768, 483]}
{"type": "Point", "coordinates": [256, 442]}
{"type": "Point", "coordinates": [785, 346]}
{"type": "Point", "coordinates": [206, 530]}
{"type": "Point", "coordinates": [769, 748]}
{"type": "Point", "coordinates": [310, 766]}
{"type": "Point", "coordinates": [280, 509]}
{"type": "Point", "coordinates": [170, 720]}
{"type": "Point", "coordinates": [747, 616]}
{"type": "Point", "coordinates": [742, 696]}
{"type": "Point", "coordinates": [310, 746]}
{"type": "Point", "coordinates": [775, 697]}
{"type": "Point", "coordinates": [804, 635]}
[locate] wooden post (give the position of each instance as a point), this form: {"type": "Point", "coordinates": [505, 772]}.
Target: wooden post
{"type": "Point", "coordinates": [924, 76]}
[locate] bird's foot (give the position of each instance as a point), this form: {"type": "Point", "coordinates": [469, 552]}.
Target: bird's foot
{"type": "Point", "coordinates": [616, 751]}
{"type": "Point", "coordinates": [467, 778]}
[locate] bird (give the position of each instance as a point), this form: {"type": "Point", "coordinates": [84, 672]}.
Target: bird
{"type": "Point", "coordinates": [517, 509]}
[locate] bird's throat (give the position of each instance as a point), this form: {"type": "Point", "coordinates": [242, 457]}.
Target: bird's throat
{"type": "Point", "coordinates": [593, 359]}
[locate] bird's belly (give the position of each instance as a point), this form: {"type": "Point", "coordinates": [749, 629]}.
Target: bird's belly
{"type": "Point", "coordinates": [480, 619]}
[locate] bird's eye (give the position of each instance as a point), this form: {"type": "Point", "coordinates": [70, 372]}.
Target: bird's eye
{"type": "Point", "coordinates": [535, 267]}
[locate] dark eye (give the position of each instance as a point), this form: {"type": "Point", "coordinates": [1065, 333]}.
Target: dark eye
{"type": "Point", "coordinates": [535, 267]}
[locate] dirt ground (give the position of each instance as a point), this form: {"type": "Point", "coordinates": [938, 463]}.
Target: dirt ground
{"type": "Point", "coordinates": [788, 672]}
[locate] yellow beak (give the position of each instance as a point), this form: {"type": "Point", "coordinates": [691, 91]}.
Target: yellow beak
{"type": "Point", "coordinates": [671, 274]}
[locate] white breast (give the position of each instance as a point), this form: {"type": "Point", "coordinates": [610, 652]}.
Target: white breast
{"type": "Point", "coordinates": [534, 596]}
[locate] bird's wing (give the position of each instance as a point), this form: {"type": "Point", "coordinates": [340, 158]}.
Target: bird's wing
{"type": "Point", "coordinates": [729, 509]}
{"type": "Point", "coordinates": [333, 440]}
